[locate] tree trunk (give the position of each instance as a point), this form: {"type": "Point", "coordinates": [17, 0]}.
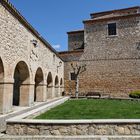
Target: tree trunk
{"type": "Point", "coordinates": [77, 87]}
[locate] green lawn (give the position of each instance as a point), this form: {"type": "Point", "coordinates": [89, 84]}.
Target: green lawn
{"type": "Point", "coordinates": [94, 109]}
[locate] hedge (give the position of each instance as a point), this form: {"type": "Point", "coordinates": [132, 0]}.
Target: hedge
{"type": "Point", "coordinates": [135, 94]}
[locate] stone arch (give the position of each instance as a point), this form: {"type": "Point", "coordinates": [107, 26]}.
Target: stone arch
{"type": "Point", "coordinates": [61, 82]}
{"type": "Point", "coordinates": [61, 87]}
{"type": "Point", "coordinates": [38, 90]}
{"type": "Point", "coordinates": [56, 86]}
{"type": "Point", "coordinates": [1, 71]}
{"type": "Point", "coordinates": [21, 84]}
{"type": "Point", "coordinates": [49, 85]}
{"type": "Point", "coordinates": [56, 81]}
{"type": "Point", "coordinates": [1, 85]}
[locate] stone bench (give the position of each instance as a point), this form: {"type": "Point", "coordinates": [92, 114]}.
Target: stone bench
{"type": "Point", "coordinates": [93, 95]}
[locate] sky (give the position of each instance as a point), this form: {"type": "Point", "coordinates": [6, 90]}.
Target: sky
{"type": "Point", "coordinates": [54, 18]}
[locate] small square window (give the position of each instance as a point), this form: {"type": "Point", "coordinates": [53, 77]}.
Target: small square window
{"type": "Point", "coordinates": [72, 76]}
{"type": "Point", "coordinates": [112, 29]}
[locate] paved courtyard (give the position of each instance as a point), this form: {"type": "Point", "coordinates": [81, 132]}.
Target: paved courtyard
{"type": "Point", "coordinates": [21, 110]}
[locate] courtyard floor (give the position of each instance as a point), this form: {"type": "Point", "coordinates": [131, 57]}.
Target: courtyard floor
{"type": "Point", "coordinates": [17, 110]}
{"type": "Point", "coordinates": [94, 109]}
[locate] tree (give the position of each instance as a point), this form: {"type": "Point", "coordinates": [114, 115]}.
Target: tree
{"type": "Point", "coordinates": [77, 69]}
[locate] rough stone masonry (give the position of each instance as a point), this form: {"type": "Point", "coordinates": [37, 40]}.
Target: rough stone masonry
{"type": "Point", "coordinates": [30, 69]}
{"type": "Point", "coordinates": [112, 60]}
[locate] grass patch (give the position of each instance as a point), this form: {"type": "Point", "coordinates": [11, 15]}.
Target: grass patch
{"type": "Point", "coordinates": [94, 109]}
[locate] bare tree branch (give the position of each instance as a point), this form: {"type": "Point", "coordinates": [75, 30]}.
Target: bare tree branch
{"type": "Point", "coordinates": [77, 70]}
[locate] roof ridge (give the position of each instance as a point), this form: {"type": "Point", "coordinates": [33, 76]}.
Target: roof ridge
{"type": "Point", "coordinates": [115, 10]}
{"type": "Point", "coordinates": [111, 18]}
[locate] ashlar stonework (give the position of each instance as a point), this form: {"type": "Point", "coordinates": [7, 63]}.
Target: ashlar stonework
{"type": "Point", "coordinates": [28, 63]}
{"type": "Point", "coordinates": [112, 61]}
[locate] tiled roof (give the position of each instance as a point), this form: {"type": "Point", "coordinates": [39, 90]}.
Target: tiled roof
{"type": "Point", "coordinates": [115, 11]}
{"type": "Point", "coordinates": [111, 18]}
{"type": "Point", "coordinates": [75, 32]}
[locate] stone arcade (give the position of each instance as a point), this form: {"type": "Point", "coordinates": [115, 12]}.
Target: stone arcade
{"type": "Point", "coordinates": [29, 69]}
{"type": "Point", "coordinates": [32, 71]}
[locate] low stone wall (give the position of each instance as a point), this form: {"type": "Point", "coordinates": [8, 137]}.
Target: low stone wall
{"type": "Point", "coordinates": [5, 137]}
{"type": "Point", "coordinates": [73, 127]}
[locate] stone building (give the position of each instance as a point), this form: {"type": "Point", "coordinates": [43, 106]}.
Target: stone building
{"type": "Point", "coordinates": [30, 69]}
{"type": "Point", "coordinates": [109, 45]}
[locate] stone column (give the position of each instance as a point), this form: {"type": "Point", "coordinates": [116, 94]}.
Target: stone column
{"type": "Point", "coordinates": [41, 93]}
{"type": "Point", "coordinates": [49, 92]}
{"type": "Point", "coordinates": [6, 97]}
{"type": "Point", "coordinates": [26, 95]}
{"type": "Point", "coordinates": [53, 92]}
{"type": "Point", "coordinates": [56, 91]}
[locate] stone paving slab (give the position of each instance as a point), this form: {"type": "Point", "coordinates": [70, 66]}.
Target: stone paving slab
{"type": "Point", "coordinates": [3, 118]}
{"type": "Point", "coordinates": [70, 137]}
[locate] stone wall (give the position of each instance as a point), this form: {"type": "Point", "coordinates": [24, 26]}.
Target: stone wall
{"type": "Point", "coordinates": [70, 57]}
{"type": "Point", "coordinates": [75, 40]}
{"type": "Point", "coordinates": [18, 51]}
{"type": "Point", "coordinates": [73, 128]}
{"type": "Point", "coordinates": [112, 62]}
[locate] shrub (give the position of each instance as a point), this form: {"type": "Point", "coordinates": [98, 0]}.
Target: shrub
{"type": "Point", "coordinates": [135, 94]}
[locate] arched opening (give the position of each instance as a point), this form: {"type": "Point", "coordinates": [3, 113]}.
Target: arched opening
{"type": "Point", "coordinates": [1, 71]}
{"type": "Point", "coordinates": [56, 86]}
{"type": "Point", "coordinates": [1, 85]}
{"type": "Point", "coordinates": [61, 82]}
{"type": "Point", "coordinates": [38, 92]}
{"type": "Point", "coordinates": [21, 85]}
{"type": "Point", "coordinates": [49, 85]}
{"type": "Point", "coordinates": [61, 86]}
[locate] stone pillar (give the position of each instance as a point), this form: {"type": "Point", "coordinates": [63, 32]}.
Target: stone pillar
{"type": "Point", "coordinates": [56, 91]}
{"type": "Point", "coordinates": [53, 92]}
{"type": "Point", "coordinates": [26, 95]}
{"type": "Point", "coordinates": [41, 93]}
{"type": "Point", "coordinates": [6, 97]}
{"type": "Point", "coordinates": [49, 92]}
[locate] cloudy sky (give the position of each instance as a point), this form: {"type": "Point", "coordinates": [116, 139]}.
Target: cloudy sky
{"type": "Point", "coordinates": [54, 18]}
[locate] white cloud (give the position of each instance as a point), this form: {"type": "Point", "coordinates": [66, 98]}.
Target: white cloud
{"type": "Point", "coordinates": [57, 47]}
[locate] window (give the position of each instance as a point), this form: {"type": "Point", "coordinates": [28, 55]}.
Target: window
{"type": "Point", "coordinates": [112, 29]}
{"type": "Point", "coordinates": [72, 76]}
